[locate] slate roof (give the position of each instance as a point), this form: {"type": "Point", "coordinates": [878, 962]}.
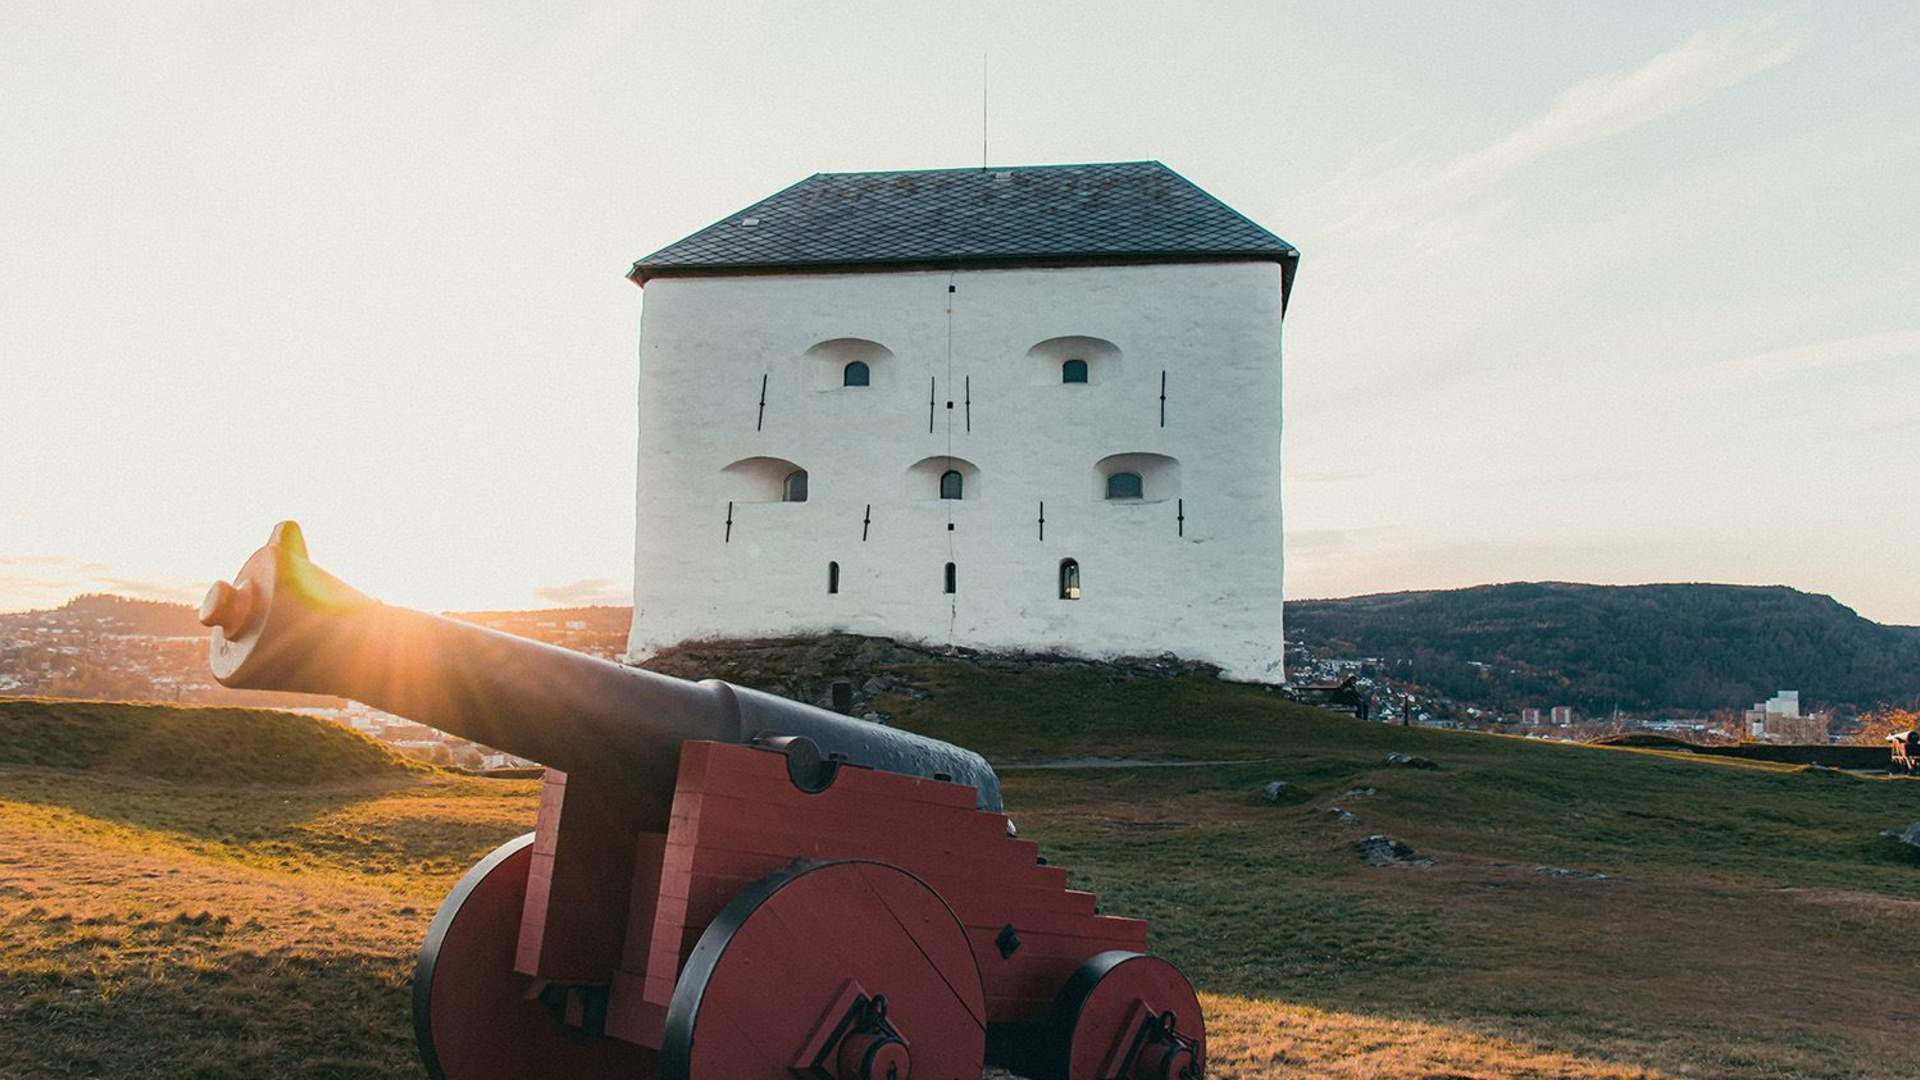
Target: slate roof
{"type": "Point", "coordinates": [1134, 211]}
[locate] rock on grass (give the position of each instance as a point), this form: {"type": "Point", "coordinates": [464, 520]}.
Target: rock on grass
{"type": "Point", "coordinates": [1382, 850]}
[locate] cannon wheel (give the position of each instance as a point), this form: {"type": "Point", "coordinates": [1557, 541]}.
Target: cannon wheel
{"type": "Point", "coordinates": [1125, 1014]}
{"type": "Point", "coordinates": [784, 983]}
{"type": "Point", "coordinates": [471, 1013]}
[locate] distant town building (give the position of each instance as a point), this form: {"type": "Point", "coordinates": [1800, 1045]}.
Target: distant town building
{"type": "Point", "coordinates": [1779, 720]}
{"type": "Point", "coordinates": [1784, 705]}
{"type": "Point", "coordinates": [1563, 716]}
{"type": "Point", "coordinates": [1530, 716]}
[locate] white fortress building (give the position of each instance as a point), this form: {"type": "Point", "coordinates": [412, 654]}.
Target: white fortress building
{"type": "Point", "coordinates": [1030, 409]}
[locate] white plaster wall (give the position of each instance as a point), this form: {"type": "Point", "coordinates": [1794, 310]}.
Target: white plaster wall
{"type": "Point", "coordinates": [1213, 593]}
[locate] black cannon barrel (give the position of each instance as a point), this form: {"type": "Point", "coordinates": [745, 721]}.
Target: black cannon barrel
{"type": "Point", "coordinates": [286, 624]}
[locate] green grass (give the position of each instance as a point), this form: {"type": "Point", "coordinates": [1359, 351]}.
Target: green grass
{"type": "Point", "coordinates": [1664, 814]}
{"type": "Point", "coordinates": [159, 918]}
{"type": "Point", "coordinates": [1750, 923]}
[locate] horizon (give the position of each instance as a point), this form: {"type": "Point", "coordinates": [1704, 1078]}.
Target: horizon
{"type": "Point", "coordinates": [1634, 311]}
{"type": "Point", "coordinates": [628, 605]}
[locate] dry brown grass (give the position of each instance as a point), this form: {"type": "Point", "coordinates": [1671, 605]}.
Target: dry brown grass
{"type": "Point", "coordinates": [153, 929]}
{"type": "Point", "coordinates": [125, 953]}
{"type": "Point", "coordinates": [128, 950]}
{"type": "Point", "coordinates": [1249, 1039]}
{"type": "Point", "coordinates": [1753, 925]}
{"type": "Point", "coordinates": [133, 960]}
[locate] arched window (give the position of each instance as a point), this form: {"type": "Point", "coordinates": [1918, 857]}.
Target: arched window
{"type": "Point", "coordinates": [833, 577]}
{"type": "Point", "coordinates": [950, 580]}
{"type": "Point", "coordinates": [1069, 579]}
{"type": "Point", "coordinates": [1073, 371]}
{"type": "Point", "coordinates": [943, 476]}
{"type": "Point", "coordinates": [856, 373]}
{"type": "Point", "coordinates": [1137, 477]}
{"type": "Point", "coordinates": [795, 489]}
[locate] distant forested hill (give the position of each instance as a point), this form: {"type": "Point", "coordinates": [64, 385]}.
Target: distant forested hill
{"type": "Point", "coordinates": [106, 613]}
{"type": "Point", "coordinates": [1639, 647]}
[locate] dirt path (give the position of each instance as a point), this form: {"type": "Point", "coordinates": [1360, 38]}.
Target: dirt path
{"type": "Point", "coordinates": [1119, 763]}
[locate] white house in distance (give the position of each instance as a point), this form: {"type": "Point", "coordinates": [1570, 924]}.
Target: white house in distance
{"type": "Point", "coordinates": [1013, 408]}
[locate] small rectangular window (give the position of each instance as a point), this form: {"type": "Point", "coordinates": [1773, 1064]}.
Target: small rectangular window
{"type": "Point", "coordinates": [950, 578]}
{"type": "Point", "coordinates": [833, 577]}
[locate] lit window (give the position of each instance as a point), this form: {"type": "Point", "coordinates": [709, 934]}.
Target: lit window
{"type": "Point", "coordinates": [1073, 371]}
{"type": "Point", "coordinates": [950, 484]}
{"type": "Point", "coordinates": [1123, 485]}
{"type": "Point", "coordinates": [833, 577]}
{"type": "Point", "coordinates": [795, 489]}
{"type": "Point", "coordinates": [856, 374]}
{"type": "Point", "coordinates": [949, 579]}
{"type": "Point", "coordinates": [1069, 579]}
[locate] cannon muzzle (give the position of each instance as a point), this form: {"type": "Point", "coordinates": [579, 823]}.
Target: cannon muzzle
{"type": "Point", "coordinates": [286, 624]}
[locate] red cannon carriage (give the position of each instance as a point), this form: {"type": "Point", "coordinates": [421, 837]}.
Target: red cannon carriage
{"type": "Point", "coordinates": [721, 884]}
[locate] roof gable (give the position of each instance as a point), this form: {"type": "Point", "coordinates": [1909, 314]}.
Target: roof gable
{"type": "Point", "coordinates": [1139, 211]}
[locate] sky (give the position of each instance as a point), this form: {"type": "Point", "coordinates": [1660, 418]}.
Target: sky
{"type": "Point", "coordinates": [1593, 292]}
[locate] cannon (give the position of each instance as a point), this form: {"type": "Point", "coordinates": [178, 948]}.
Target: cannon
{"type": "Point", "coordinates": [721, 884]}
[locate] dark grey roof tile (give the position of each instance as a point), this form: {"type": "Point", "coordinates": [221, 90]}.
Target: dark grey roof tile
{"type": "Point", "coordinates": [1139, 210]}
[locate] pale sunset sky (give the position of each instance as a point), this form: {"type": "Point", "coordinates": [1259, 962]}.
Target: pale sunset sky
{"type": "Point", "coordinates": [1612, 292]}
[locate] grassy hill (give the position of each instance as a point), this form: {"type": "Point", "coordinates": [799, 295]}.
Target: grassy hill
{"type": "Point", "coordinates": [186, 744]}
{"type": "Point", "coordinates": [1750, 922]}
{"type": "Point", "coordinates": [1696, 647]}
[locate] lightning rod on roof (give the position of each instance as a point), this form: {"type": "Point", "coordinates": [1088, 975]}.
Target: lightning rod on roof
{"type": "Point", "coordinates": [983, 110]}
